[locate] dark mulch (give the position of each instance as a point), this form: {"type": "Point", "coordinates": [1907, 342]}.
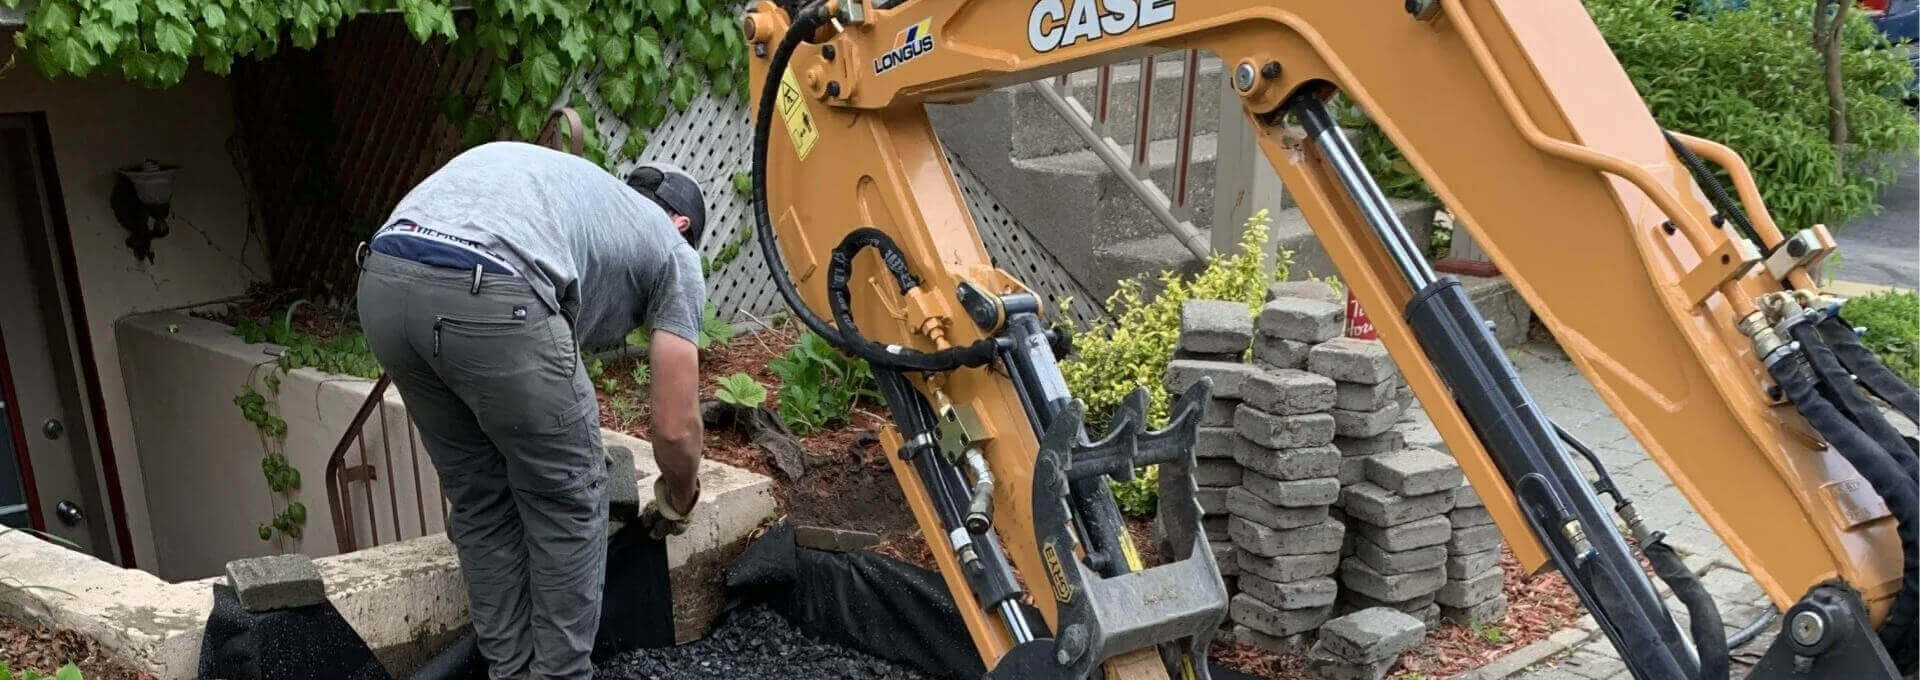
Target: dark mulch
{"type": "Point", "coordinates": [45, 650]}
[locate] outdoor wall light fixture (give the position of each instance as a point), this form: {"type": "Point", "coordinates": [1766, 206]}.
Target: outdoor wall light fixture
{"type": "Point", "coordinates": [142, 200]}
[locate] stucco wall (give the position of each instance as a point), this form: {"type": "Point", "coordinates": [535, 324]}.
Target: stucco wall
{"type": "Point", "coordinates": [99, 125]}
{"type": "Point", "coordinates": [201, 458]}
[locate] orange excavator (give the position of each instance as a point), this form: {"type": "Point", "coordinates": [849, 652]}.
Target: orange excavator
{"type": "Point", "coordinates": [1689, 310]}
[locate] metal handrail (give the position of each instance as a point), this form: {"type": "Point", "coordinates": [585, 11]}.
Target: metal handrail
{"type": "Point", "coordinates": [1134, 169]}
{"type": "Point", "coordinates": [340, 476]}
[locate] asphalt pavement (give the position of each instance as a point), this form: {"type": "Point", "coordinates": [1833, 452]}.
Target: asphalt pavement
{"type": "Point", "coordinates": [1884, 249]}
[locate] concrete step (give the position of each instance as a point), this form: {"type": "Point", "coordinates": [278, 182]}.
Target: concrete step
{"type": "Point", "coordinates": [1146, 257]}
{"type": "Point", "coordinates": [1038, 131]}
{"type": "Point", "coordinates": [1083, 185]}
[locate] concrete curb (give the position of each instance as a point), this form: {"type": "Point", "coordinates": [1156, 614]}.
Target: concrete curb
{"type": "Point", "coordinates": [1852, 289]}
{"type": "Point", "coordinates": [405, 599]}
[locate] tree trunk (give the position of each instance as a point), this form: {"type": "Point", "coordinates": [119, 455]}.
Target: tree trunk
{"type": "Point", "coordinates": [1829, 28]}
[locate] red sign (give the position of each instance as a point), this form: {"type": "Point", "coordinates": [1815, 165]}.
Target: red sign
{"type": "Point", "coordinates": [1358, 325]}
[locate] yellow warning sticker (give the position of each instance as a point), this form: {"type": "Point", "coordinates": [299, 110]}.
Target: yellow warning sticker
{"type": "Point", "coordinates": [799, 118]}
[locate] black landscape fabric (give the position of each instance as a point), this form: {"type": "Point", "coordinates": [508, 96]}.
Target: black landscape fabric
{"type": "Point", "coordinates": [304, 643]}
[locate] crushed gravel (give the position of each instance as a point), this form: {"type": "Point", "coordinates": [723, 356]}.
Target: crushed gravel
{"type": "Point", "coordinates": [755, 644]}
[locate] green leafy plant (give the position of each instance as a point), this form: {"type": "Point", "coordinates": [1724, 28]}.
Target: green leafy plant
{"type": "Point", "coordinates": [819, 386]}
{"type": "Point", "coordinates": [1892, 322]}
{"type": "Point", "coordinates": [346, 354]}
{"type": "Point", "coordinates": [652, 55]}
{"type": "Point", "coordinates": [67, 672]}
{"type": "Point", "coordinates": [1111, 360]}
{"type": "Point", "coordinates": [642, 375]}
{"type": "Point", "coordinates": [1491, 633]}
{"type": "Point", "coordinates": [728, 253]}
{"type": "Point", "coordinates": [741, 390]}
{"type": "Point", "coordinates": [624, 407]}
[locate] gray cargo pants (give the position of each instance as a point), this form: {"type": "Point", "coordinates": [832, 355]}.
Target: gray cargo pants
{"type": "Point", "coordinates": [507, 412]}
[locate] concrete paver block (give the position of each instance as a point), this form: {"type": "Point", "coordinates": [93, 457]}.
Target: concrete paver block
{"type": "Point", "coordinates": [1288, 391]}
{"type": "Point", "coordinates": [1357, 576]}
{"type": "Point", "coordinates": [1354, 396]}
{"type": "Point", "coordinates": [276, 582]}
{"type": "Point", "coordinates": [1356, 601]}
{"type": "Point", "coordinates": [1463, 565]}
{"type": "Point", "coordinates": [1264, 541]}
{"type": "Point", "coordinates": [834, 540]}
{"type": "Point", "coordinates": [1371, 634]}
{"type": "Point", "coordinates": [1462, 518]}
{"type": "Point", "coordinates": [1245, 504]}
{"type": "Point", "coordinates": [1470, 591]}
{"type": "Point", "coordinates": [1491, 610]}
{"type": "Point", "coordinates": [1420, 533]}
{"type": "Point", "coordinates": [1370, 503]}
{"type": "Point", "coordinates": [1287, 568]}
{"type": "Point", "coordinates": [1276, 431]}
{"type": "Point", "coordinates": [1302, 319]}
{"type": "Point", "coordinates": [1295, 493]}
{"type": "Point", "coordinates": [1365, 423]}
{"type": "Point", "coordinates": [1414, 472]}
{"type": "Point", "coordinates": [1324, 664]}
{"type": "Point", "coordinates": [1474, 539]}
{"type": "Point", "coordinates": [623, 485]}
{"type": "Point", "coordinates": [1385, 442]}
{"type": "Point", "coordinates": [1398, 561]}
{"type": "Point", "coordinates": [1216, 472]}
{"type": "Point", "coordinates": [1465, 497]}
{"type": "Point", "coordinates": [1219, 413]}
{"type": "Point", "coordinates": [1280, 352]}
{"type": "Point", "coordinates": [1215, 526]}
{"type": "Point", "coordinates": [1217, 442]}
{"type": "Point", "coordinates": [1213, 500]}
{"type": "Point", "coordinates": [1353, 470]}
{"type": "Point", "coordinates": [1291, 644]}
{"type": "Point", "coordinates": [1310, 289]}
{"type": "Point", "coordinates": [1248, 611]}
{"type": "Point", "coordinates": [1352, 360]}
{"type": "Point", "coordinates": [1302, 594]}
{"type": "Point", "coordinates": [1223, 557]}
{"type": "Point", "coordinates": [1215, 326]}
{"type": "Point", "coordinates": [1227, 376]}
{"type": "Point", "coordinates": [1305, 462]}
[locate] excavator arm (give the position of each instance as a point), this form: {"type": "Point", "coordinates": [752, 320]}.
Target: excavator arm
{"type": "Point", "coordinates": [1680, 302]}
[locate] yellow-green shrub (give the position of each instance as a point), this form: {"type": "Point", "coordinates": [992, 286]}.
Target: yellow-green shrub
{"type": "Point", "coordinates": [1111, 360]}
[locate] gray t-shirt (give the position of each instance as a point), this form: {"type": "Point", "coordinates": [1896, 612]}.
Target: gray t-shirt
{"type": "Point", "coordinates": [594, 249]}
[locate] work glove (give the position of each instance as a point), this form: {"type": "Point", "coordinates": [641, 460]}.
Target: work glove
{"type": "Point", "coordinates": [659, 519]}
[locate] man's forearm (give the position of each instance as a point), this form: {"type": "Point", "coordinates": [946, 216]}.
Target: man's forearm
{"type": "Point", "coordinates": [679, 461]}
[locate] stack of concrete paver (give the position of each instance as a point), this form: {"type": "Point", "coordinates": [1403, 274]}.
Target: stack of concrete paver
{"type": "Point", "coordinates": [1364, 645]}
{"type": "Point", "coordinates": [1286, 543]}
{"type": "Point", "coordinates": [1214, 336]}
{"type": "Point", "coordinates": [1400, 520]}
{"type": "Point", "coordinates": [1474, 581]}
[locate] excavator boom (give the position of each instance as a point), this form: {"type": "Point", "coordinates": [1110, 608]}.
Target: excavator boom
{"type": "Point", "coordinates": [1677, 301]}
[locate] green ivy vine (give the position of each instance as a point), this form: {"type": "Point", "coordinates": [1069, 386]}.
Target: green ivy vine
{"type": "Point", "coordinates": [347, 354]}
{"type": "Point", "coordinates": [652, 56]}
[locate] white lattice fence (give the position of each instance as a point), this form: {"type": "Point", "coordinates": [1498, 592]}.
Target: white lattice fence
{"type": "Point", "coordinates": [713, 140]}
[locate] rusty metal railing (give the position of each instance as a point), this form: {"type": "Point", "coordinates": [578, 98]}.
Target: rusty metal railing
{"type": "Point", "coordinates": [1091, 120]}
{"type": "Point", "coordinates": [354, 518]}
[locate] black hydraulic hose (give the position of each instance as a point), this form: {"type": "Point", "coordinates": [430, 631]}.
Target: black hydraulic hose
{"type": "Point", "coordinates": [1874, 375]}
{"type": "Point", "coordinates": [846, 339]}
{"type": "Point", "coordinates": [1702, 614]}
{"type": "Point", "coordinates": [1716, 192]}
{"type": "Point", "coordinates": [1603, 482]}
{"type": "Point", "coordinates": [1741, 637]}
{"type": "Point", "coordinates": [1886, 477]}
{"type": "Point", "coordinates": [1650, 661]}
{"type": "Point", "coordinates": [1845, 396]}
{"type": "Point", "coordinates": [840, 302]}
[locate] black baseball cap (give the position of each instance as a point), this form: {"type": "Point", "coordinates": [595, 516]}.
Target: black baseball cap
{"type": "Point", "coordinates": [674, 190]}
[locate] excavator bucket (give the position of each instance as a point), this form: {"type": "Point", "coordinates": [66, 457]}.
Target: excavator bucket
{"type": "Point", "coordinates": [1177, 605]}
